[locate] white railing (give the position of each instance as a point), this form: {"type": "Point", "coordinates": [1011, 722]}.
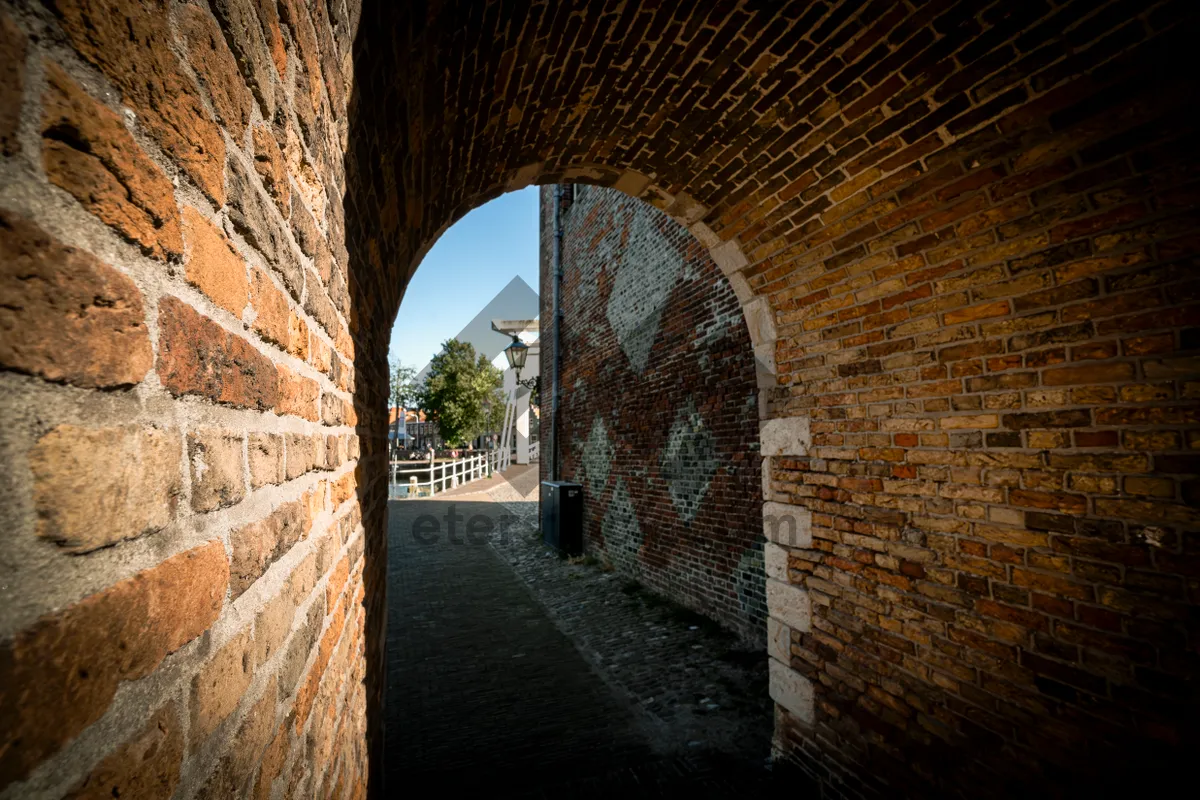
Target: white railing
{"type": "Point", "coordinates": [425, 480]}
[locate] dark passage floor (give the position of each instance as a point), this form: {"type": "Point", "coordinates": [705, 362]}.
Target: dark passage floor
{"type": "Point", "coordinates": [486, 694]}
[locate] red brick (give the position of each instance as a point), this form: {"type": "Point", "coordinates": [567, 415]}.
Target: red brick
{"type": "Point", "coordinates": [216, 68]}
{"type": "Point", "coordinates": [1052, 583]}
{"type": "Point", "coordinates": [87, 151]}
{"type": "Point", "coordinates": [273, 760]}
{"type": "Point", "coordinates": [1088, 373]}
{"type": "Point", "coordinates": [1095, 438]}
{"type": "Point", "coordinates": [266, 459]}
{"type": "Point", "coordinates": [219, 685]}
{"type": "Point", "coordinates": [337, 581]}
{"type": "Point", "coordinates": [65, 315]}
{"type": "Point", "coordinates": [307, 693]}
{"type": "Point", "coordinates": [269, 164]}
{"type": "Point", "coordinates": [131, 42]}
{"type": "Point", "coordinates": [233, 771]}
{"type": "Point", "coordinates": [198, 357]}
{"type": "Point", "coordinates": [258, 545]}
{"type": "Point", "coordinates": [985, 311]}
{"type": "Point", "coordinates": [271, 310]}
{"type": "Point", "coordinates": [297, 395]}
{"type": "Point", "coordinates": [1053, 605]}
{"type": "Point", "coordinates": [1070, 503]}
{"type": "Point", "coordinates": [242, 22]}
{"type": "Point", "coordinates": [212, 265]}
{"type": "Point", "coordinates": [218, 467]}
{"type": "Point", "coordinates": [61, 673]}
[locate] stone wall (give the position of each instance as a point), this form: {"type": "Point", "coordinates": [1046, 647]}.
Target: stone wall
{"type": "Point", "coordinates": [183, 551]}
{"type": "Point", "coordinates": [659, 419]}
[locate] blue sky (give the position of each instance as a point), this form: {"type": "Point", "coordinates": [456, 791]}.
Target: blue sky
{"type": "Point", "coordinates": [464, 270]}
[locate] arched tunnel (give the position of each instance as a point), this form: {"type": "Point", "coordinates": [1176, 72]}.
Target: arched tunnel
{"type": "Point", "coordinates": [963, 237]}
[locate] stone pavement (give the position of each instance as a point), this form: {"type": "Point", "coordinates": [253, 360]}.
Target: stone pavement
{"type": "Point", "coordinates": [524, 675]}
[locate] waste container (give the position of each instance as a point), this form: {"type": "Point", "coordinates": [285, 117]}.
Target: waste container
{"type": "Point", "coordinates": [562, 516]}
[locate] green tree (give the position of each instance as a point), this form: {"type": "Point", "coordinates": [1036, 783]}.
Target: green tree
{"type": "Point", "coordinates": [402, 382]}
{"type": "Point", "coordinates": [495, 411]}
{"type": "Point", "coordinates": [458, 384]}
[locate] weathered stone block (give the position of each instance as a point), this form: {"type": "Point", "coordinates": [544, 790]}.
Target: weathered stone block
{"type": "Point", "coordinates": [785, 437]}
{"type": "Point", "coordinates": [787, 525]}
{"type": "Point", "coordinates": [218, 468]}
{"type": "Point", "coordinates": [779, 641]}
{"type": "Point", "coordinates": [97, 486]}
{"type": "Point", "coordinates": [776, 559]}
{"type": "Point", "coordinates": [793, 691]}
{"type": "Point", "coordinates": [789, 604]}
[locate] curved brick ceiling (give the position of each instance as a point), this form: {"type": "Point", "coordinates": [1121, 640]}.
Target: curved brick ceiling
{"type": "Point", "coordinates": [801, 129]}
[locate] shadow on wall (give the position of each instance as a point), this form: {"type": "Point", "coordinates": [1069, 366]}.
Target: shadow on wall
{"type": "Point", "coordinates": [660, 405]}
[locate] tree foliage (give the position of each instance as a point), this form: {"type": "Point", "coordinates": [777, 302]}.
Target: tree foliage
{"type": "Point", "coordinates": [403, 384]}
{"type": "Point", "coordinates": [457, 388]}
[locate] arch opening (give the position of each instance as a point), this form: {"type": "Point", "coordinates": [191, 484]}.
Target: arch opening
{"type": "Point", "coordinates": [659, 424]}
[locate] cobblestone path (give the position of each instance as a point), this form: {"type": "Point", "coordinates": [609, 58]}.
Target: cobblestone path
{"type": "Point", "coordinates": [516, 673]}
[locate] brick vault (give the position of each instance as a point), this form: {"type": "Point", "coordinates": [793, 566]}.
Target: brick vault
{"type": "Point", "coordinates": [963, 238]}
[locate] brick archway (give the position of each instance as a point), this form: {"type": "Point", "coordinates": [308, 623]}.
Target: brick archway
{"type": "Point", "coordinates": [964, 236]}
{"type": "Point", "coordinates": [920, 211]}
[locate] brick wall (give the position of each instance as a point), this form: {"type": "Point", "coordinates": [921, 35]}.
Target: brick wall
{"type": "Point", "coordinates": [182, 601]}
{"type": "Point", "coordinates": [659, 419]}
{"type": "Point", "coordinates": [963, 236]}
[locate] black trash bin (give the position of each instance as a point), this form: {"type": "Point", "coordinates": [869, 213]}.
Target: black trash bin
{"type": "Point", "coordinates": [562, 516]}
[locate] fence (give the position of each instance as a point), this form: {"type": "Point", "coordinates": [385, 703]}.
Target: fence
{"type": "Point", "coordinates": [425, 480]}
{"type": "Point", "coordinates": [412, 479]}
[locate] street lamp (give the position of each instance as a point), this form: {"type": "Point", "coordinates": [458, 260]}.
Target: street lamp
{"type": "Point", "coordinates": [516, 353]}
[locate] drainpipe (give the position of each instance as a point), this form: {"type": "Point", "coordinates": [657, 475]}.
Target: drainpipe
{"type": "Point", "coordinates": [557, 311]}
